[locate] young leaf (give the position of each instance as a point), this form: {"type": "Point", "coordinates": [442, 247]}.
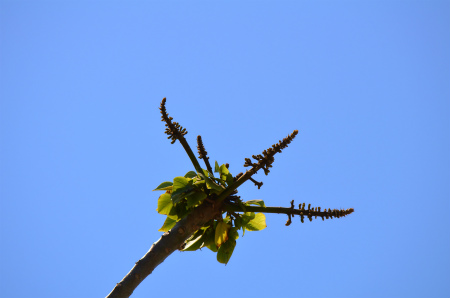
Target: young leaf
{"type": "Point", "coordinates": [216, 167]}
{"type": "Point", "coordinates": [257, 224]}
{"type": "Point", "coordinates": [181, 187]}
{"type": "Point", "coordinates": [221, 235]}
{"type": "Point", "coordinates": [223, 170]}
{"type": "Point", "coordinates": [180, 183]}
{"type": "Point", "coordinates": [247, 216]}
{"type": "Point", "coordinates": [233, 233]}
{"type": "Point", "coordinates": [225, 251]}
{"type": "Point", "coordinates": [194, 244]}
{"type": "Point", "coordinates": [190, 174]}
{"type": "Point", "coordinates": [179, 210]}
{"type": "Point", "coordinates": [225, 175]}
{"type": "Point", "coordinates": [212, 247]}
{"type": "Point", "coordinates": [208, 238]}
{"type": "Point", "coordinates": [194, 198]}
{"type": "Point", "coordinates": [168, 224]}
{"type": "Point", "coordinates": [164, 204]}
{"type": "Point", "coordinates": [164, 186]}
{"type": "Point", "coordinates": [256, 202]}
{"type": "Point", "coordinates": [211, 185]}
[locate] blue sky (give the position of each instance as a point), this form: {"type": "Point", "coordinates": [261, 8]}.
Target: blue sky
{"type": "Point", "coordinates": [366, 83]}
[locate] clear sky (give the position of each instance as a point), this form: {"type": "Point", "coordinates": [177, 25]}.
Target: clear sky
{"type": "Point", "coordinates": [366, 83]}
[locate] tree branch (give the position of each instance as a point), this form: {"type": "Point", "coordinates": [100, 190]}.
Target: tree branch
{"type": "Point", "coordinates": [316, 212]}
{"type": "Point", "coordinates": [166, 245]}
{"type": "Point", "coordinates": [176, 132]}
{"type": "Point", "coordinates": [264, 162]}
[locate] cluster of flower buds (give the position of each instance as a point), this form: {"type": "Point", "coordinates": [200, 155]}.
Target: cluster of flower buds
{"type": "Point", "coordinates": [201, 149]}
{"type": "Point", "coordinates": [327, 213]}
{"type": "Point", "coordinates": [267, 158]}
{"type": "Point", "coordinates": [173, 129]}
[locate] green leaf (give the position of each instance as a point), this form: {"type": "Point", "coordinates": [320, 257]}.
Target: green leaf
{"type": "Point", "coordinates": [179, 210]}
{"type": "Point", "coordinates": [238, 222]}
{"type": "Point", "coordinates": [212, 247]}
{"type": "Point", "coordinates": [225, 175]}
{"type": "Point", "coordinates": [168, 224]}
{"type": "Point", "coordinates": [190, 174]}
{"type": "Point", "coordinates": [164, 186]}
{"type": "Point", "coordinates": [216, 167]}
{"type": "Point", "coordinates": [221, 234]}
{"type": "Point", "coordinates": [248, 216]}
{"type": "Point", "coordinates": [208, 238]}
{"type": "Point", "coordinates": [181, 187]}
{"type": "Point", "coordinates": [194, 244]}
{"type": "Point", "coordinates": [256, 202]}
{"type": "Point", "coordinates": [199, 184]}
{"type": "Point", "coordinates": [233, 233]}
{"type": "Point", "coordinates": [164, 204]}
{"type": "Point", "coordinates": [180, 183]}
{"type": "Point", "coordinates": [225, 251]}
{"type": "Point", "coordinates": [257, 224]}
{"type": "Point", "coordinates": [195, 198]}
{"type": "Point", "coordinates": [211, 185]}
{"type": "Point", "coordinates": [223, 170]}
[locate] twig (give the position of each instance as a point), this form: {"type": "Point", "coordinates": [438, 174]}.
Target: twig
{"type": "Point", "coordinates": [176, 132]}
{"type": "Point", "coordinates": [310, 213]}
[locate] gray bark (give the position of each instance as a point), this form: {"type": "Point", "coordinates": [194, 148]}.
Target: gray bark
{"type": "Point", "coordinates": [162, 248]}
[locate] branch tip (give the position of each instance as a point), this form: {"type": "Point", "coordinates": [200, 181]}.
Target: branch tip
{"type": "Point", "coordinates": [173, 129]}
{"type": "Point", "coordinates": [266, 159]}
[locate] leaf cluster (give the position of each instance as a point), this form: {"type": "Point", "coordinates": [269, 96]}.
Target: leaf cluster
{"type": "Point", "coordinates": [219, 234]}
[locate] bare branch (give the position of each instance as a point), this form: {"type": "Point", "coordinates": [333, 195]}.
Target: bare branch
{"type": "Point", "coordinates": [309, 213]}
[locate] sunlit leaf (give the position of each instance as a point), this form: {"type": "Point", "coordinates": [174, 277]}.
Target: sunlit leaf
{"type": "Point", "coordinates": [225, 175]}
{"type": "Point", "coordinates": [248, 216]}
{"type": "Point", "coordinates": [181, 187]}
{"type": "Point", "coordinates": [229, 179]}
{"type": "Point", "coordinates": [164, 204]}
{"type": "Point", "coordinates": [190, 174]}
{"type": "Point", "coordinates": [216, 167]}
{"type": "Point", "coordinates": [257, 224]}
{"type": "Point", "coordinates": [194, 244]}
{"type": "Point", "coordinates": [164, 186]}
{"type": "Point", "coordinates": [223, 170]}
{"type": "Point", "coordinates": [168, 224]}
{"type": "Point", "coordinates": [255, 202]}
{"type": "Point", "coordinates": [221, 234]}
{"type": "Point", "coordinates": [211, 185]}
{"type": "Point", "coordinates": [180, 183]}
{"type": "Point", "coordinates": [225, 251]}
